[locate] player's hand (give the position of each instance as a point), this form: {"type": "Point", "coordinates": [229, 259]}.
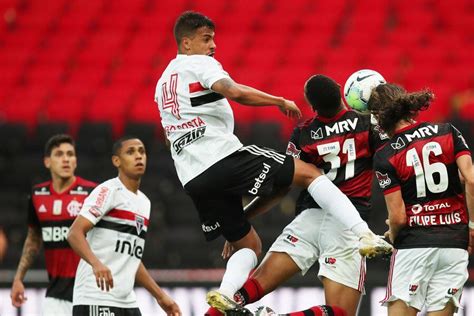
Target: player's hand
{"type": "Point", "coordinates": [103, 276]}
{"type": "Point", "coordinates": [18, 293]}
{"type": "Point", "coordinates": [227, 251]}
{"type": "Point", "coordinates": [169, 306]}
{"type": "Point", "coordinates": [470, 248]}
{"type": "Point", "coordinates": [388, 234]}
{"type": "Point", "coordinates": [290, 109]}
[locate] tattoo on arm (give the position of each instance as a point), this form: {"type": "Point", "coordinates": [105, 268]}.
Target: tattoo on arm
{"type": "Point", "coordinates": [31, 248]}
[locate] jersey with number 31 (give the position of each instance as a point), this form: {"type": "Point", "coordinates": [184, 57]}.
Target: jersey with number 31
{"type": "Point", "coordinates": [420, 161]}
{"type": "Point", "coordinates": [342, 147]}
{"type": "Point", "coordinates": [198, 122]}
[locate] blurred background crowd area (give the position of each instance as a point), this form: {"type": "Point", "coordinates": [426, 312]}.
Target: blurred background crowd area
{"type": "Point", "coordinates": [89, 68]}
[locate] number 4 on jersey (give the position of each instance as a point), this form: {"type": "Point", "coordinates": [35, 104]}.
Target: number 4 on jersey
{"type": "Point", "coordinates": [170, 97]}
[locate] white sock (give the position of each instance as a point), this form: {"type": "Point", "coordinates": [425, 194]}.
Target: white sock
{"type": "Point", "coordinates": [237, 271]}
{"type": "Point", "coordinates": [331, 199]}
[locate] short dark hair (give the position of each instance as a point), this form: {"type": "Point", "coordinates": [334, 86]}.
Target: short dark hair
{"type": "Point", "coordinates": [119, 142]}
{"type": "Point", "coordinates": [391, 103]}
{"type": "Point", "coordinates": [323, 94]}
{"type": "Point", "coordinates": [188, 22]}
{"type": "Point", "coordinates": [56, 141]}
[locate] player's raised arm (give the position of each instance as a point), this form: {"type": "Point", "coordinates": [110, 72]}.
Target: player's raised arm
{"type": "Point", "coordinates": [250, 96]}
{"type": "Point", "coordinates": [78, 242]}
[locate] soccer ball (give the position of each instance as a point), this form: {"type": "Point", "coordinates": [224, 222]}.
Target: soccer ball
{"type": "Point", "coordinates": [359, 86]}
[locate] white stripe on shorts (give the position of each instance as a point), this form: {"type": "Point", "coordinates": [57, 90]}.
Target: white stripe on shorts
{"type": "Point", "coordinates": [257, 151]}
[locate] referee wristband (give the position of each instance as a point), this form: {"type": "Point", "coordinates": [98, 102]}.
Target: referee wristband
{"type": "Point", "coordinates": [471, 224]}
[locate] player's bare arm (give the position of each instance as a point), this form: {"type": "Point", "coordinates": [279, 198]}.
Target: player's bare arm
{"type": "Point", "coordinates": [396, 213]}
{"type": "Point", "coordinates": [77, 240]}
{"type": "Point", "coordinates": [250, 96]}
{"type": "Point", "coordinates": [144, 279]}
{"type": "Point", "coordinates": [31, 249]}
{"type": "Point", "coordinates": [466, 169]}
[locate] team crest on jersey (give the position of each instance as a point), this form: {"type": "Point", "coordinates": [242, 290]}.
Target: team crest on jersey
{"type": "Point", "coordinates": [73, 208]}
{"type": "Point", "coordinates": [139, 223]}
{"type": "Point", "coordinates": [291, 150]}
{"type": "Point", "coordinates": [318, 134]}
{"type": "Point", "coordinates": [399, 144]}
{"type": "Point", "coordinates": [383, 179]}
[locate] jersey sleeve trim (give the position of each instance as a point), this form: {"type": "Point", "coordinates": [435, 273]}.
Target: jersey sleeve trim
{"type": "Point", "coordinates": [391, 190]}
{"type": "Point", "coordinates": [462, 153]}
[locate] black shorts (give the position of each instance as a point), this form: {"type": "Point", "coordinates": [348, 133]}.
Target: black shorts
{"type": "Point", "coordinates": [217, 192]}
{"type": "Point", "coordinates": [96, 310]}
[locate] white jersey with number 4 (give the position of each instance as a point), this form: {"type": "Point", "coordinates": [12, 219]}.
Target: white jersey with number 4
{"type": "Point", "coordinates": [120, 219]}
{"type": "Point", "coordinates": [198, 122]}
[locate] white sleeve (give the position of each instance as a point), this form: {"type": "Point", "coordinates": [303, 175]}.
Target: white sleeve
{"type": "Point", "coordinates": [97, 204]}
{"type": "Point", "coordinates": [209, 71]}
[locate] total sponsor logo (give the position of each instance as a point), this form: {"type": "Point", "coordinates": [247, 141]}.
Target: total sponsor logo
{"type": "Point", "coordinates": [418, 208]}
{"type": "Point", "coordinates": [55, 233]}
{"type": "Point", "coordinates": [259, 180]}
{"type": "Point", "coordinates": [210, 228]}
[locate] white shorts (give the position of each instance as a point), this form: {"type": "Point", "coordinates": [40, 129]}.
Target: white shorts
{"type": "Point", "coordinates": [427, 277]}
{"type": "Point", "coordinates": [316, 235]}
{"type": "Point", "coordinates": [54, 306]}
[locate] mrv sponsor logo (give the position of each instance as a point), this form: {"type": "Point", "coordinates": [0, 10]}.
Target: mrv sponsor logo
{"type": "Point", "coordinates": [188, 138]}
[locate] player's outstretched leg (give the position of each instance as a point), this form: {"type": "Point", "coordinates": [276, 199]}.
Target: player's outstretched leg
{"type": "Point", "coordinates": [371, 245]}
{"type": "Point", "coordinates": [319, 310]}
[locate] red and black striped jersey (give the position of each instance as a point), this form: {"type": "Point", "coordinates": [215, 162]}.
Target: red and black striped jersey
{"type": "Point", "coordinates": [420, 160]}
{"type": "Point", "coordinates": [54, 213]}
{"type": "Point", "coordinates": [342, 147]}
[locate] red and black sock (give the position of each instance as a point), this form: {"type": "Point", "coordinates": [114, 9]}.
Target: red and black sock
{"type": "Point", "coordinates": [320, 310]}
{"type": "Point", "coordinates": [250, 292]}
{"type": "Point", "coordinates": [213, 312]}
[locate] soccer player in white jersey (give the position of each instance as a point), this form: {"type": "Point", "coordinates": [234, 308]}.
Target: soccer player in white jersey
{"type": "Point", "coordinates": [214, 167]}
{"type": "Point", "coordinates": [109, 236]}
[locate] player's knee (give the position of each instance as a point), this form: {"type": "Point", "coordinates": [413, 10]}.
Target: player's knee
{"type": "Point", "coordinates": [305, 173]}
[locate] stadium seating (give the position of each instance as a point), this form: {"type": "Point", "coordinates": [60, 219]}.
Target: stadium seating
{"type": "Point", "coordinates": [107, 49]}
